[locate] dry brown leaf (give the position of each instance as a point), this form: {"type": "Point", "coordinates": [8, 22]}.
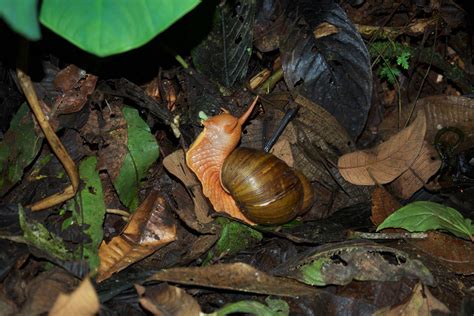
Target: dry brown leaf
{"type": "Point", "coordinates": [441, 111]}
{"type": "Point", "coordinates": [383, 204]}
{"type": "Point", "coordinates": [388, 160]}
{"type": "Point", "coordinates": [454, 253]}
{"type": "Point", "coordinates": [167, 300]}
{"type": "Point", "coordinates": [425, 165]}
{"type": "Point", "coordinates": [150, 227]}
{"type": "Point", "coordinates": [176, 165]}
{"type": "Point", "coordinates": [421, 302]}
{"type": "Point", "coordinates": [82, 302]}
{"type": "Point", "coordinates": [235, 276]}
{"type": "Point", "coordinates": [282, 150]}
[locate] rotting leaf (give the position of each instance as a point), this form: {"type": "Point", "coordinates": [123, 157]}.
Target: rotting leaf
{"type": "Point", "coordinates": [88, 210]}
{"type": "Point", "coordinates": [224, 55]}
{"type": "Point", "coordinates": [19, 147]}
{"type": "Point", "coordinates": [234, 237]}
{"type": "Point", "coordinates": [388, 160]}
{"type": "Point", "coordinates": [422, 216]}
{"type": "Point", "coordinates": [149, 228]}
{"type": "Point", "coordinates": [164, 299]}
{"type": "Point", "coordinates": [82, 302]}
{"type": "Point", "coordinates": [142, 153]}
{"type": "Point", "coordinates": [235, 276]}
{"type": "Point", "coordinates": [36, 235]}
{"type": "Point", "coordinates": [343, 262]}
{"type": "Point", "coordinates": [331, 68]}
{"type": "Point", "coordinates": [414, 178]}
{"type": "Point", "coordinates": [421, 302]}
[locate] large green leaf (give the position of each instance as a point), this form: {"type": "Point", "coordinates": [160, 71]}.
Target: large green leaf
{"type": "Point", "coordinates": [107, 27]}
{"type": "Point", "coordinates": [142, 152]}
{"type": "Point", "coordinates": [425, 215]}
{"type": "Point", "coordinates": [18, 149]}
{"type": "Point", "coordinates": [89, 210]}
{"type": "Point", "coordinates": [21, 16]}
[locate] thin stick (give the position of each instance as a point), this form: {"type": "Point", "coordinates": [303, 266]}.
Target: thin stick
{"type": "Point", "coordinates": [56, 146]}
{"type": "Point", "coordinates": [289, 115]}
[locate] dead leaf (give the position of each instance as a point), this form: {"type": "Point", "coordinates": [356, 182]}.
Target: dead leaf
{"type": "Point", "coordinates": [82, 302]}
{"type": "Point", "coordinates": [388, 160]}
{"type": "Point", "coordinates": [383, 204]}
{"type": "Point", "coordinates": [150, 227]}
{"type": "Point", "coordinates": [425, 165]}
{"type": "Point", "coordinates": [43, 291]}
{"type": "Point", "coordinates": [235, 276]}
{"type": "Point", "coordinates": [176, 165]}
{"type": "Point", "coordinates": [441, 111]}
{"type": "Point", "coordinates": [167, 300]}
{"type": "Point", "coordinates": [454, 253]}
{"type": "Point", "coordinates": [282, 150]}
{"type": "Point", "coordinates": [421, 302]}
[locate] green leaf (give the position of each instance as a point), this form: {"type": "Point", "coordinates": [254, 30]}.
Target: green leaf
{"type": "Point", "coordinates": [143, 151]}
{"type": "Point", "coordinates": [38, 236]}
{"type": "Point", "coordinates": [107, 27]}
{"type": "Point", "coordinates": [424, 215]}
{"type": "Point", "coordinates": [313, 274]}
{"type": "Point", "coordinates": [276, 307]}
{"type": "Point", "coordinates": [88, 209]}
{"type": "Point", "coordinates": [234, 238]}
{"type": "Point", "coordinates": [224, 55]}
{"type": "Point", "coordinates": [18, 148]}
{"type": "Point", "coordinates": [403, 60]}
{"type": "Point", "coordinates": [22, 17]}
{"type": "Point", "coordinates": [390, 74]}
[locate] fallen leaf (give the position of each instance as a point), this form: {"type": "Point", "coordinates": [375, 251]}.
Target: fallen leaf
{"type": "Point", "coordinates": [414, 178]}
{"type": "Point", "coordinates": [421, 302]}
{"type": "Point", "coordinates": [388, 160]}
{"type": "Point", "coordinates": [383, 204]}
{"type": "Point", "coordinates": [167, 300]}
{"type": "Point", "coordinates": [237, 277]}
{"type": "Point", "coordinates": [150, 227]}
{"type": "Point", "coordinates": [82, 302]}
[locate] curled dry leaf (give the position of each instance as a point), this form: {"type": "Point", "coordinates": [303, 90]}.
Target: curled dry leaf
{"type": "Point", "coordinates": [176, 165]}
{"type": "Point", "coordinates": [164, 299]}
{"type": "Point", "coordinates": [82, 302]}
{"type": "Point", "coordinates": [425, 165]}
{"type": "Point", "coordinates": [388, 160]}
{"type": "Point", "coordinates": [150, 227]}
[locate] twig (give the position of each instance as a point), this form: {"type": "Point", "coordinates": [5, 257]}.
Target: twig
{"type": "Point", "coordinates": [56, 146]}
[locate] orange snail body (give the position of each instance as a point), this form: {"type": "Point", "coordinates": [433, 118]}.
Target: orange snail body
{"type": "Point", "coordinates": [266, 190]}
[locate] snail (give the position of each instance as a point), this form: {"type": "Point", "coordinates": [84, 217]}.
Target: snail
{"type": "Point", "coordinates": [245, 183]}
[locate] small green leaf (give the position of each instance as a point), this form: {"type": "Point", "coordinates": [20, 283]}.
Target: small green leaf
{"type": "Point", "coordinates": [425, 215]}
{"type": "Point", "coordinates": [22, 17]}
{"type": "Point", "coordinates": [276, 307]}
{"type": "Point", "coordinates": [143, 151]}
{"type": "Point", "coordinates": [403, 60]}
{"type": "Point", "coordinates": [38, 236]}
{"type": "Point", "coordinates": [234, 238]}
{"type": "Point", "coordinates": [390, 74]}
{"type": "Point", "coordinates": [18, 148]}
{"type": "Point", "coordinates": [312, 273]}
{"type": "Point", "coordinates": [88, 209]}
{"type": "Point", "coordinates": [107, 27]}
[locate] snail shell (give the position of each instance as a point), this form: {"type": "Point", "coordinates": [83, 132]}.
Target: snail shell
{"type": "Point", "coordinates": [265, 188]}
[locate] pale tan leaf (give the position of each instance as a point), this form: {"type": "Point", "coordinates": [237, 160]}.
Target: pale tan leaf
{"type": "Point", "coordinates": [421, 302]}
{"type": "Point", "coordinates": [388, 160]}
{"type": "Point", "coordinates": [167, 300]}
{"type": "Point", "coordinates": [82, 302]}
{"type": "Point", "coordinates": [150, 227]}
{"type": "Point", "coordinates": [425, 165]}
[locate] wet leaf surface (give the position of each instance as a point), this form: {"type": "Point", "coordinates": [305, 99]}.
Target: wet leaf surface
{"type": "Point", "coordinates": [331, 69]}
